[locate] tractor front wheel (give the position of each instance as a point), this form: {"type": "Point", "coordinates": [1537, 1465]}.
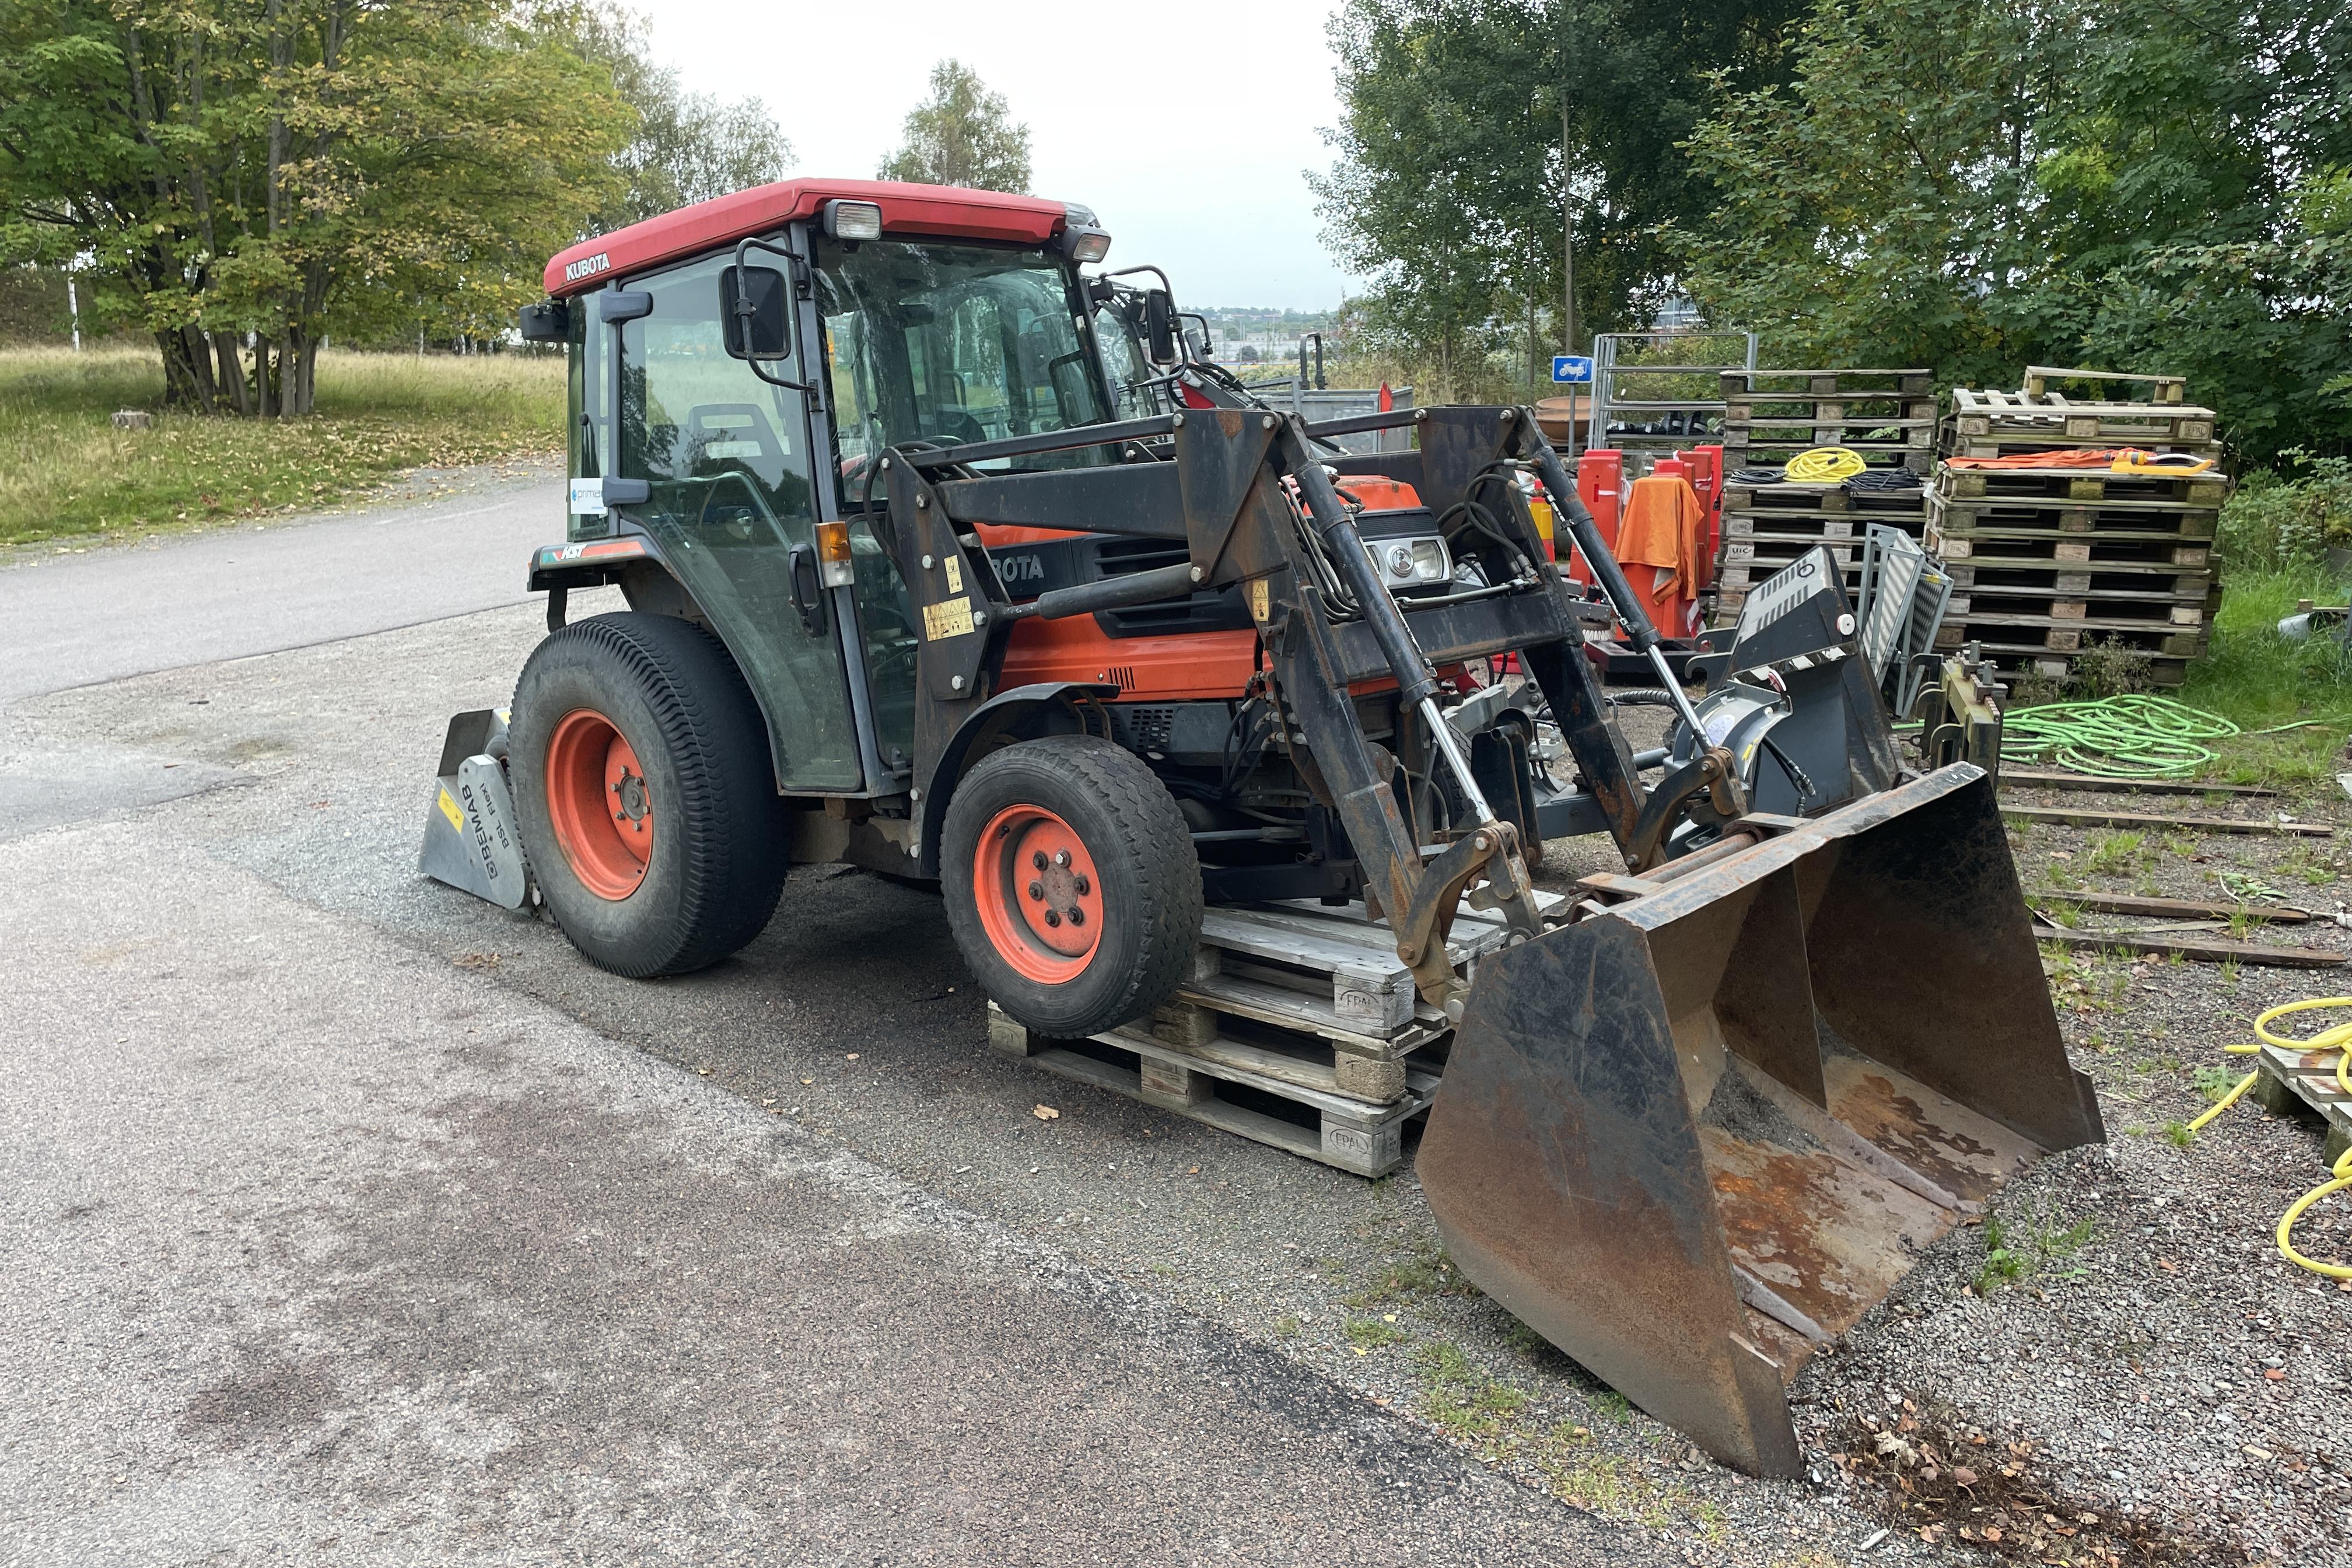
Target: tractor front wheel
{"type": "Point", "coordinates": [640, 771]}
{"type": "Point", "coordinates": [1071, 884]}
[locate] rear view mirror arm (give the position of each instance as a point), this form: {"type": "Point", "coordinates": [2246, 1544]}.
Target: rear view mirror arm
{"type": "Point", "coordinates": [745, 310]}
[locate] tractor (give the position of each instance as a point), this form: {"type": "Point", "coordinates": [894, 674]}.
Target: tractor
{"type": "Point", "coordinates": [945, 558]}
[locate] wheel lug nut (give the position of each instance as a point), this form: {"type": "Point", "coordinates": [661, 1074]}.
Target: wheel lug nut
{"type": "Point", "coordinates": [1080, 885]}
{"type": "Point", "coordinates": [1077, 916]}
{"type": "Point", "coordinates": [1062, 857]}
{"type": "Point", "coordinates": [1038, 859]}
{"type": "Point", "coordinates": [1038, 890]}
{"type": "Point", "coordinates": [1052, 919]}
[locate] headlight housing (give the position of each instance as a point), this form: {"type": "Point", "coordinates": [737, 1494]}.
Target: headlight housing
{"type": "Point", "coordinates": [1420, 561]}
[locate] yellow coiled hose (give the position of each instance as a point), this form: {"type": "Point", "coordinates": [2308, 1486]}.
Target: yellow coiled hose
{"type": "Point", "coordinates": [1823, 466]}
{"type": "Point", "coordinates": [2339, 1040]}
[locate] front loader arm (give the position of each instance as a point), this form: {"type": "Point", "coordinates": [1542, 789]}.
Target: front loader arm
{"type": "Point", "coordinates": [1251, 495]}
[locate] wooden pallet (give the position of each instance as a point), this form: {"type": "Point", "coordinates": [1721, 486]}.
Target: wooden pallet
{"type": "Point", "coordinates": [1801, 408]}
{"type": "Point", "coordinates": [1867, 434]}
{"type": "Point", "coordinates": [1826, 500]}
{"type": "Point", "coordinates": [2057, 421]}
{"type": "Point", "coordinates": [2292, 1080]}
{"type": "Point", "coordinates": [2095, 551]}
{"type": "Point", "coordinates": [1337, 1130]}
{"type": "Point", "coordinates": [2209, 488]}
{"type": "Point", "coordinates": [2002, 518]}
{"type": "Point", "coordinates": [1740, 452]}
{"type": "Point", "coordinates": [2163, 672]}
{"type": "Point", "coordinates": [2131, 580]}
{"type": "Point", "coordinates": [2162, 388]}
{"type": "Point", "coordinates": [2068, 634]}
{"type": "Point", "coordinates": [1297, 1025]}
{"type": "Point", "coordinates": [1997, 605]}
{"type": "Point", "coordinates": [1768, 384]}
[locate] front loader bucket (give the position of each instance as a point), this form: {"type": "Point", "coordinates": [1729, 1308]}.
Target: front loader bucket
{"type": "Point", "coordinates": [1693, 1138]}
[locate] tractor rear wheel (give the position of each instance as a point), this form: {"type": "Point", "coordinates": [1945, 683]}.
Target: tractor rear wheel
{"type": "Point", "coordinates": [641, 774]}
{"type": "Point", "coordinates": [1071, 884]}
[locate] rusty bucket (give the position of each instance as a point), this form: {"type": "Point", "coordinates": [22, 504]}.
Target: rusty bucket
{"type": "Point", "coordinates": [1694, 1136]}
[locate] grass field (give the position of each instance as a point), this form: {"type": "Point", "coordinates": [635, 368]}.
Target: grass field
{"type": "Point", "coordinates": [65, 469]}
{"type": "Point", "coordinates": [2259, 680]}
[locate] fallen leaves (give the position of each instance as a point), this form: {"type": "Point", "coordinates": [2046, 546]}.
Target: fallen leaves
{"type": "Point", "coordinates": [1044, 1114]}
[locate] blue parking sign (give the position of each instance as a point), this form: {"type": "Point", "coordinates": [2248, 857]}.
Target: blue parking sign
{"type": "Point", "coordinates": [1575, 368]}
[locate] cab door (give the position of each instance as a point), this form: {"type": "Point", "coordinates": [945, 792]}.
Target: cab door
{"type": "Point", "coordinates": [726, 459]}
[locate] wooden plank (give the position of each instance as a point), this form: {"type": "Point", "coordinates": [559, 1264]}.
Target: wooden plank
{"type": "Point", "coordinates": [2198, 952]}
{"type": "Point", "coordinates": [1267, 1003]}
{"type": "Point", "coordinates": [2125, 904]}
{"type": "Point", "coordinates": [2085, 818]}
{"type": "Point", "coordinates": [2029, 778]}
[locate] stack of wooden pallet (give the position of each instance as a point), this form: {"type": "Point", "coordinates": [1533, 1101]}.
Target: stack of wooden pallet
{"type": "Point", "coordinates": [2048, 562]}
{"type": "Point", "coordinates": [1770, 415]}
{"type": "Point", "coordinates": [1298, 1027]}
{"type": "Point", "coordinates": [1887, 416]}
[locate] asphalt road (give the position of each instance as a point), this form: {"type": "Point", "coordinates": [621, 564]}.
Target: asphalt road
{"type": "Point", "coordinates": [350, 1220]}
{"type": "Point", "coordinates": [74, 617]}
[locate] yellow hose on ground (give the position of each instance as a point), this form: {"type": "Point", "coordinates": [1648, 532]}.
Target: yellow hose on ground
{"type": "Point", "coordinates": [1823, 466]}
{"type": "Point", "coordinates": [2339, 1040]}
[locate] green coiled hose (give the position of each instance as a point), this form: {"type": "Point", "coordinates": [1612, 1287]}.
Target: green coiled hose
{"type": "Point", "coordinates": [2136, 736]}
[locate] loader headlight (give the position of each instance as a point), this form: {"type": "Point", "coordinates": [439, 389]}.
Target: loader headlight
{"type": "Point", "coordinates": [1411, 562]}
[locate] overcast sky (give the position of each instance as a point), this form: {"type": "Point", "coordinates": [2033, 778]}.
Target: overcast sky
{"type": "Point", "coordinates": [1196, 161]}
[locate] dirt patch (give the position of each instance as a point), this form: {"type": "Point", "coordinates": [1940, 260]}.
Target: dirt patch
{"type": "Point", "coordinates": [1935, 1476]}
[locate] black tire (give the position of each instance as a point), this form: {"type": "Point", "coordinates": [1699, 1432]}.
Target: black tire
{"type": "Point", "coordinates": [1149, 880]}
{"type": "Point", "coordinates": [719, 853]}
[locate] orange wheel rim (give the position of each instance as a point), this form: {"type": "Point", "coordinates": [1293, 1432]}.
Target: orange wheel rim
{"type": "Point", "coordinates": [1039, 896]}
{"type": "Point", "coordinates": [599, 803]}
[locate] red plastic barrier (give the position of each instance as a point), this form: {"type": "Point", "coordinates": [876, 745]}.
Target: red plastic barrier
{"type": "Point", "coordinates": [1600, 484]}
{"type": "Point", "coordinates": [1706, 478]}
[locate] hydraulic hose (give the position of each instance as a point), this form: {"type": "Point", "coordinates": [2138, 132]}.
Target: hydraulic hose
{"type": "Point", "coordinates": [2339, 1039]}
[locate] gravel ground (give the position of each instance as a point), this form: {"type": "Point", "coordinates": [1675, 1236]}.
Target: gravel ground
{"type": "Point", "coordinates": [2121, 1374]}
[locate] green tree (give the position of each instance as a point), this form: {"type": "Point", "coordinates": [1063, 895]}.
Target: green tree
{"type": "Point", "coordinates": [284, 169]}
{"type": "Point", "coordinates": [2143, 184]}
{"type": "Point", "coordinates": [689, 146]}
{"type": "Point", "coordinates": [1454, 163]}
{"type": "Point", "coordinates": [963, 134]}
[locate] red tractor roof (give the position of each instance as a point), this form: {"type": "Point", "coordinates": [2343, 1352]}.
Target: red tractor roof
{"type": "Point", "coordinates": [706, 225]}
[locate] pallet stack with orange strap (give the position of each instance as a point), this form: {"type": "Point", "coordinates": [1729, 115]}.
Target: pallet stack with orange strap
{"type": "Point", "coordinates": [2057, 551]}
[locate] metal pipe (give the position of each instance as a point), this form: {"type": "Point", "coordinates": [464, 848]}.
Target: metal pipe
{"type": "Point", "coordinates": [1175, 582]}
{"type": "Point", "coordinates": [1076, 436]}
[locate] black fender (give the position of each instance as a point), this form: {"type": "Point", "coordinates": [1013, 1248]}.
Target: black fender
{"type": "Point", "coordinates": [1005, 712]}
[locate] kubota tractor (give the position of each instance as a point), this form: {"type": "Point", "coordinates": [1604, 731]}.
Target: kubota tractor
{"type": "Point", "coordinates": [917, 582]}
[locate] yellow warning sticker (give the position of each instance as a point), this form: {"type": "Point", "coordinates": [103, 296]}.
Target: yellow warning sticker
{"type": "Point", "coordinates": [947, 618]}
{"type": "Point", "coordinates": [450, 809]}
{"type": "Point", "coordinates": [955, 573]}
{"type": "Point", "coordinates": [1261, 601]}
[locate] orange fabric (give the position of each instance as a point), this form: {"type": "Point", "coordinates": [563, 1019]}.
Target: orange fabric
{"type": "Point", "coordinates": [1660, 545]}
{"type": "Point", "coordinates": [2072, 458]}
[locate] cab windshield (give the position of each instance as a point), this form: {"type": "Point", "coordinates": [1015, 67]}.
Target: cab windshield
{"type": "Point", "coordinates": [953, 344]}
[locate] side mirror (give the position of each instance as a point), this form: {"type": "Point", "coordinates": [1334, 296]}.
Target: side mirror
{"type": "Point", "coordinates": [1160, 326]}
{"type": "Point", "coordinates": [549, 322]}
{"type": "Point", "coordinates": [755, 312]}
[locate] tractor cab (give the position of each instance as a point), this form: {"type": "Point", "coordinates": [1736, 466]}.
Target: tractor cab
{"type": "Point", "coordinates": [734, 383]}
